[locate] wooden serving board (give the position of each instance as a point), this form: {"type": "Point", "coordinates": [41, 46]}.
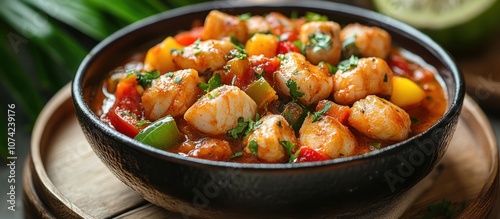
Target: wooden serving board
{"type": "Point", "coordinates": [63, 177]}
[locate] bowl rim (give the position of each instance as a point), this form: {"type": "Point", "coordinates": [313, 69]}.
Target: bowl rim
{"type": "Point", "coordinates": [361, 13]}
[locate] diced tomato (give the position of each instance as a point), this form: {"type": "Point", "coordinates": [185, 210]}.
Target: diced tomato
{"type": "Point", "coordinates": [241, 80]}
{"type": "Point", "coordinates": [307, 154]}
{"type": "Point", "coordinates": [289, 36]}
{"type": "Point", "coordinates": [238, 73]}
{"type": "Point", "coordinates": [282, 26]}
{"type": "Point", "coordinates": [286, 46]}
{"type": "Point", "coordinates": [126, 112]}
{"type": "Point", "coordinates": [186, 38]}
{"type": "Point", "coordinates": [400, 66]}
{"type": "Point", "coordinates": [339, 112]}
{"type": "Point", "coordinates": [268, 65]}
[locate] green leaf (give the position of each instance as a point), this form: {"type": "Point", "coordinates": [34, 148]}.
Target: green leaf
{"type": "Point", "coordinates": [237, 154]}
{"type": "Point", "coordinates": [254, 147]}
{"type": "Point", "coordinates": [51, 76]}
{"type": "Point", "coordinates": [300, 46]}
{"type": "Point", "coordinates": [214, 82]}
{"type": "Point", "coordinates": [349, 47]}
{"type": "Point", "coordinates": [77, 14]}
{"type": "Point", "coordinates": [129, 11]}
{"type": "Point", "coordinates": [38, 30]}
{"type": "Point", "coordinates": [311, 16]}
{"type": "Point", "coordinates": [244, 127]}
{"type": "Point", "coordinates": [333, 69]}
{"type": "Point", "coordinates": [157, 5]}
{"type": "Point", "coordinates": [180, 3]}
{"type": "Point", "coordinates": [253, 124]}
{"type": "Point", "coordinates": [319, 41]}
{"type": "Point", "coordinates": [289, 146]}
{"type": "Point", "coordinates": [239, 130]}
{"type": "Point", "coordinates": [319, 114]}
{"type": "Point", "coordinates": [245, 16]}
{"type": "Point", "coordinates": [294, 90]}
{"type": "Point", "coordinates": [142, 123]}
{"type": "Point", "coordinates": [240, 51]}
{"type": "Point", "coordinates": [347, 64]}
{"type": "Point", "coordinates": [19, 85]}
{"type": "Point", "coordinates": [63, 50]}
{"type": "Point", "coordinates": [145, 78]}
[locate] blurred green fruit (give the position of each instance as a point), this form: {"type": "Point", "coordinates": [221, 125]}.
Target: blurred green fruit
{"type": "Point", "coordinates": [458, 25]}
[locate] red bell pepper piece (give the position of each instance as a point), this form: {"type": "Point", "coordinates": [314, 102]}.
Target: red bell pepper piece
{"type": "Point", "coordinates": [187, 38]}
{"type": "Point", "coordinates": [286, 46]}
{"type": "Point", "coordinates": [126, 112]}
{"type": "Point", "coordinates": [339, 112]}
{"type": "Point", "coordinates": [307, 154]}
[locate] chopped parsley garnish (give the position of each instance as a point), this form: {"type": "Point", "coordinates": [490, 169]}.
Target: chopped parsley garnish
{"type": "Point", "coordinates": [349, 47]}
{"type": "Point", "coordinates": [237, 154]}
{"type": "Point", "coordinates": [244, 127]}
{"type": "Point", "coordinates": [128, 113]}
{"type": "Point", "coordinates": [282, 57]}
{"type": "Point", "coordinates": [239, 51]}
{"type": "Point", "coordinates": [236, 42]}
{"type": "Point", "coordinates": [142, 122]}
{"type": "Point", "coordinates": [294, 90]}
{"type": "Point", "coordinates": [245, 16]}
{"type": "Point", "coordinates": [348, 63]}
{"type": "Point", "coordinates": [237, 131]}
{"type": "Point", "coordinates": [145, 78]}
{"type": "Point", "coordinates": [289, 150]}
{"type": "Point", "coordinates": [299, 45]}
{"type": "Point", "coordinates": [376, 145]}
{"type": "Point", "coordinates": [237, 54]}
{"type": "Point", "coordinates": [333, 69]}
{"type": "Point", "coordinates": [439, 210]}
{"type": "Point", "coordinates": [252, 124]}
{"type": "Point", "coordinates": [319, 114]}
{"type": "Point", "coordinates": [385, 77]}
{"type": "Point", "coordinates": [212, 93]}
{"type": "Point", "coordinates": [253, 146]}
{"type": "Point", "coordinates": [178, 79]}
{"type": "Point", "coordinates": [319, 41]}
{"type": "Point", "coordinates": [196, 46]}
{"type": "Point", "coordinates": [181, 50]}
{"type": "Point", "coordinates": [311, 16]}
{"type": "Point", "coordinates": [214, 82]}
{"type": "Point", "coordinates": [413, 120]}
{"type": "Point", "coordinates": [169, 75]}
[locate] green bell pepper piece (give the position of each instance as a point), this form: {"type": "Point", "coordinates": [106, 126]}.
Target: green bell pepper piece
{"type": "Point", "coordinates": [161, 134]}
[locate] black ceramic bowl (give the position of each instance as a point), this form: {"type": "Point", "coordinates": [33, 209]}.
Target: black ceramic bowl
{"type": "Point", "coordinates": [195, 187]}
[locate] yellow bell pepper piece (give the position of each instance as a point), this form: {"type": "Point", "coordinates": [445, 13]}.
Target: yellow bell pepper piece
{"type": "Point", "coordinates": [159, 57]}
{"type": "Point", "coordinates": [405, 92]}
{"type": "Point", "coordinates": [265, 44]}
